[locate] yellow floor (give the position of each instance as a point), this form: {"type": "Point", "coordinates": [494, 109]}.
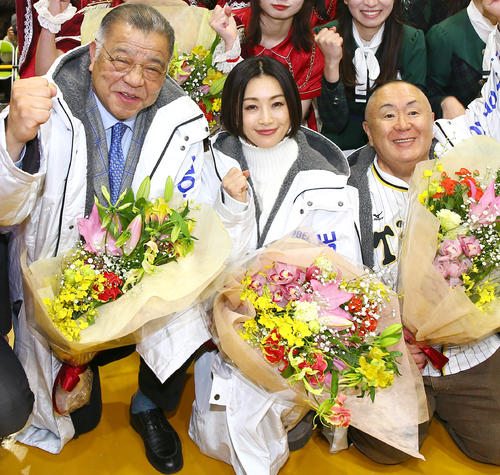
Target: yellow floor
{"type": "Point", "coordinates": [114, 448]}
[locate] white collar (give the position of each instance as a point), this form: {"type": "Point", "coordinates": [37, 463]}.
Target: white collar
{"type": "Point", "coordinates": [389, 179]}
{"type": "Point", "coordinates": [482, 26]}
{"type": "Point", "coordinates": [108, 120]}
{"type": "Point", "coordinates": [365, 61]}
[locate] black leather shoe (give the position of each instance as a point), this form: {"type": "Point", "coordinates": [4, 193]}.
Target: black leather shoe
{"type": "Point", "coordinates": [301, 433]}
{"type": "Point", "coordinates": [163, 446]}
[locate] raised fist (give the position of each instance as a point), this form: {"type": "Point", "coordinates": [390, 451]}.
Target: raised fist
{"type": "Point", "coordinates": [235, 183]}
{"type": "Point", "coordinates": [30, 106]}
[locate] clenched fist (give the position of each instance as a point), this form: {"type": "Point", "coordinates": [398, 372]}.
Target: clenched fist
{"type": "Point", "coordinates": [330, 43]}
{"type": "Point", "coordinates": [235, 183]}
{"type": "Point", "coordinates": [30, 105]}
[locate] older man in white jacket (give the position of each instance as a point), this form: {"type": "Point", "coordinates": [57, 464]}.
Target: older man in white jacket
{"type": "Point", "coordinates": [54, 144]}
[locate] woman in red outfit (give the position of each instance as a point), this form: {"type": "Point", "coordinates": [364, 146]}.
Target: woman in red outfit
{"type": "Point", "coordinates": [277, 28]}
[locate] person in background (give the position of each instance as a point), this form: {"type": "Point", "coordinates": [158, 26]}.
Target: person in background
{"type": "Point", "coordinates": [366, 47]}
{"type": "Point", "coordinates": [455, 47]}
{"type": "Point", "coordinates": [11, 37]}
{"type": "Point", "coordinates": [282, 32]}
{"type": "Point", "coordinates": [422, 14]}
{"type": "Point", "coordinates": [58, 27]}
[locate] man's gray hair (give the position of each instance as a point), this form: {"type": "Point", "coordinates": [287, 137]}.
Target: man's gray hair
{"type": "Point", "coordinates": [141, 17]}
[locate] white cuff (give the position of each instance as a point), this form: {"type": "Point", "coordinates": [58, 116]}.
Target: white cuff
{"type": "Point", "coordinates": [52, 22]}
{"type": "Point", "coordinates": [225, 61]}
{"type": "Point", "coordinates": [233, 205]}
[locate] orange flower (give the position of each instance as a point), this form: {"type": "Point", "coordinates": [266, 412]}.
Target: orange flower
{"type": "Point", "coordinates": [449, 185]}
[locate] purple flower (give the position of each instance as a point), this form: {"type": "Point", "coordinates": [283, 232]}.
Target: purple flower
{"type": "Point", "coordinates": [451, 248]}
{"type": "Point", "coordinates": [339, 364]}
{"type": "Point", "coordinates": [470, 245]}
{"type": "Point", "coordinates": [204, 89]}
{"type": "Point", "coordinates": [455, 282]}
{"type": "Point", "coordinates": [453, 269]}
{"type": "Point", "coordinates": [487, 210]}
{"type": "Point", "coordinates": [439, 264]}
{"type": "Point", "coordinates": [465, 265]}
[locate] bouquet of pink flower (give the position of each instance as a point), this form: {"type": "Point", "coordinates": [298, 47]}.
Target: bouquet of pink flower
{"type": "Point", "coordinates": [137, 265]}
{"type": "Point", "coordinates": [449, 265]}
{"type": "Point", "coordinates": [300, 318]}
{"type": "Point", "coordinates": [469, 233]}
{"type": "Point", "coordinates": [320, 331]}
{"type": "Point", "coordinates": [122, 242]}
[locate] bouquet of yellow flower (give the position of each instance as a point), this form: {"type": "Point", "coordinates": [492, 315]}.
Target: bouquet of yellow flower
{"type": "Point", "coordinates": [320, 331]}
{"type": "Point", "coordinates": [137, 265]}
{"type": "Point", "coordinates": [300, 317]}
{"type": "Point", "coordinates": [203, 82]}
{"type": "Point", "coordinates": [449, 265]}
{"type": "Point", "coordinates": [122, 242]}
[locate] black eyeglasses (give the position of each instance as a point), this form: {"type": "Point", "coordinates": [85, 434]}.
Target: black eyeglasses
{"type": "Point", "coordinates": [124, 65]}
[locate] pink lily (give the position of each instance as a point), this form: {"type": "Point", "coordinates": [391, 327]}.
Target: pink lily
{"type": "Point", "coordinates": [135, 228]}
{"type": "Point", "coordinates": [331, 297]}
{"type": "Point", "coordinates": [335, 321]}
{"type": "Point", "coordinates": [487, 210]}
{"type": "Point", "coordinates": [95, 235]}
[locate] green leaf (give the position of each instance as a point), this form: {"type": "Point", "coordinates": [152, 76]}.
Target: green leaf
{"type": "Point", "coordinates": [124, 206]}
{"type": "Point", "coordinates": [101, 210]}
{"type": "Point", "coordinates": [143, 191]}
{"type": "Point", "coordinates": [105, 193]}
{"type": "Point", "coordinates": [287, 372]}
{"type": "Point", "coordinates": [208, 60]}
{"type": "Point", "coordinates": [334, 388]}
{"type": "Point", "coordinates": [106, 221]}
{"type": "Point", "coordinates": [129, 197]}
{"type": "Point", "coordinates": [215, 42]}
{"type": "Point", "coordinates": [175, 233]}
{"type": "Point", "coordinates": [450, 203]}
{"type": "Point", "coordinates": [208, 104]}
{"type": "Point", "coordinates": [169, 189]}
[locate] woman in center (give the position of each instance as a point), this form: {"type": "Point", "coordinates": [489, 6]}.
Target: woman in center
{"type": "Point", "coordinates": [277, 176]}
{"type": "Point", "coordinates": [271, 178]}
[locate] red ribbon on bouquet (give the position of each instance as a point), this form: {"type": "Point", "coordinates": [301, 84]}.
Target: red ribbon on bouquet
{"type": "Point", "coordinates": [437, 359]}
{"type": "Point", "coordinates": [68, 376]}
